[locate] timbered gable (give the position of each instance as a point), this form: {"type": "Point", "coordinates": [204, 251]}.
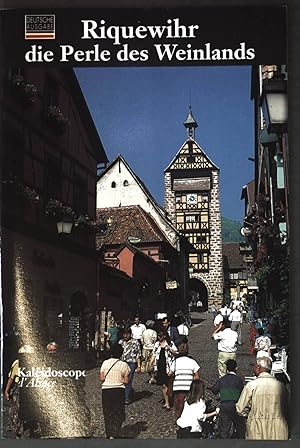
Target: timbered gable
{"type": "Point", "coordinates": [191, 157]}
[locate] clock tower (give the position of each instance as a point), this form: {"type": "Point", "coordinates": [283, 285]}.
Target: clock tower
{"type": "Point", "coordinates": [192, 200]}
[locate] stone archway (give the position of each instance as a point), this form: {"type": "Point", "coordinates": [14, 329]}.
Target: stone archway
{"type": "Point", "coordinates": [198, 291]}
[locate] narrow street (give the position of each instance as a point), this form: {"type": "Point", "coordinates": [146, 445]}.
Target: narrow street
{"type": "Point", "coordinates": [145, 417]}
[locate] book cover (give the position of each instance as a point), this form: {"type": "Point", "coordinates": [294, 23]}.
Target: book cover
{"type": "Point", "coordinates": [130, 138]}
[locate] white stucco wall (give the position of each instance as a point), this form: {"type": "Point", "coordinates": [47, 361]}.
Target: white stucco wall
{"type": "Point", "coordinates": [132, 194]}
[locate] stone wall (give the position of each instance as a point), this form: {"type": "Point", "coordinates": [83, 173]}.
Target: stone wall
{"type": "Point", "coordinates": [170, 199]}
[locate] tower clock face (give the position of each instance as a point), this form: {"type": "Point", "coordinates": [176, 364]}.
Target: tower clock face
{"type": "Point", "coordinates": [191, 198]}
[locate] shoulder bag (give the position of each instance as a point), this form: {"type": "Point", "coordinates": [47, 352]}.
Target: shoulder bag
{"type": "Point", "coordinates": [171, 381]}
{"type": "Point", "coordinates": [111, 368]}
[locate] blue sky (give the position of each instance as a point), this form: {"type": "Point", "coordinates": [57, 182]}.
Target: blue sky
{"type": "Point", "coordinates": [139, 113]}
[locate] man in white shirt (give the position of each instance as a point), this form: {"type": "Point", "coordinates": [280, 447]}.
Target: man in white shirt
{"type": "Point", "coordinates": [227, 340]}
{"type": "Point", "coordinates": [224, 310]}
{"type": "Point", "coordinates": [182, 328]}
{"type": "Point", "coordinates": [262, 344]}
{"type": "Point", "coordinates": [235, 318]}
{"type": "Point", "coordinates": [185, 369]}
{"type": "Point", "coordinates": [239, 305]}
{"type": "Point", "coordinates": [137, 329]}
{"type": "Point", "coordinates": [218, 319]}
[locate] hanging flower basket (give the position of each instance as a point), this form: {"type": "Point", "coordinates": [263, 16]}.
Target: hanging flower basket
{"type": "Point", "coordinates": [27, 193]}
{"type": "Point", "coordinates": [16, 192]}
{"type": "Point", "coordinates": [57, 210]}
{"type": "Point", "coordinates": [84, 221]}
{"type": "Point", "coordinates": [56, 117]}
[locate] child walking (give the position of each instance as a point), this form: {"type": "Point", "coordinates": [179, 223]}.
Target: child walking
{"type": "Point", "coordinates": [193, 413]}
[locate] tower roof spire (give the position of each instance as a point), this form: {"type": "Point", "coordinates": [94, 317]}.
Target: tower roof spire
{"type": "Point", "coordinates": [190, 124]}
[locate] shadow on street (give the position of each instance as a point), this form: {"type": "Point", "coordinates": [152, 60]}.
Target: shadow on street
{"type": "Point", "coordinates": [139, 395]}
{"type": "Point", "coordinates": [132, 431]}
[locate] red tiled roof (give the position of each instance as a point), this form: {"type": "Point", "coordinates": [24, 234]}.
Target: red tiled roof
{"type": "Point", "coordinates": [129, 221]}
{"type": "Point", "coordinates": [232, 259]}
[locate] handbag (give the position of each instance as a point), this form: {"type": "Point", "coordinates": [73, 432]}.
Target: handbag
{"type": "Point", "coordinates": [171, 382]}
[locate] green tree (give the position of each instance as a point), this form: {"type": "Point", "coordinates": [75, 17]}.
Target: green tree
{"type": "Point", "coordinates": [231, 231]}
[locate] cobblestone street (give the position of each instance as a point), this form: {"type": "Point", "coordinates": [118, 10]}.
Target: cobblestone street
{"type": "Point", "coordinates": [145, 417]}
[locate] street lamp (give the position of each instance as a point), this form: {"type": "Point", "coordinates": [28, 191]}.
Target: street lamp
{"type": "Point", "coordinates": [267, 139]}
{"type": "Point", "coordinates": [64, 225]}
{"type": "Point", "coordinates": [275, 104]}
{"type": "Point", "coordinates": [275, 110]}
{"type": "Point", "coordinates": [246, 231]}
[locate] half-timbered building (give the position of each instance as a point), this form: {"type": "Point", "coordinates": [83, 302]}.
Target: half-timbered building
{"type": "Point", "coordinates": [192, 200]}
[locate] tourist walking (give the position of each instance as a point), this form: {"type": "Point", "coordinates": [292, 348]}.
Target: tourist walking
{"type": "Point", "coordinates": [262, 344]}
{"type": "Point", "coordinates": [235, 318]}
{"type": "Point", "coordinates": [114, 374]}
{"type": "Point", "coordinates": [182, 328]}
{"type": "Point", "coordinates": [163, 355]}
{"type": "Point", "coordinates": [214, 310]}
{"type": "Point", "coordinates": [218, 318]}
{"type": "Point", "coordinates": [137, 329]}
{"type": "Point", "coordinates": [112, 333]}
{"type": "Point", "coordinates": [131, 355]}
{"type": "Point", "coordinates": [225, 310]}
{"type": "Point", "coordinates": [264, 403]}
{"type": "Point", "coordinates": [185, 369]}
{"type": "Point", "coordinates": [17, 423]}
{"type": "Point", "coordinates": [170, 329]}
{"type": "Point", "coordinates": [149, 338]}
{"type": "Point", "coordinates": [227, 340]}
{"type": "Point", "coordinates": [229, 387]}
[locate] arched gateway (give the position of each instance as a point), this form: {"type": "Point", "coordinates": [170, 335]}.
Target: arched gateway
{"type": "Point", "coordinates": [198, 291]}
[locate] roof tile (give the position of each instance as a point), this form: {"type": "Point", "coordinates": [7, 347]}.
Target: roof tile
{"type": "Point", "coordinates": [129, 221]}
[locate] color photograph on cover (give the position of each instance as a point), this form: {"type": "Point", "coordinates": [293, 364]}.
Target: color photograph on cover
{"type": "Point", "coordinates": [144, 228]}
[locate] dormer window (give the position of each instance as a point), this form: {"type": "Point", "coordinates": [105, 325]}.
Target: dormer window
{"type": "Point", "coordinates": [113, 184]}
{"type": "Point", "coordinates": [125, 183]}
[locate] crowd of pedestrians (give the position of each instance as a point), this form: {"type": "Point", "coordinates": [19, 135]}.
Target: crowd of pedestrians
{"type": "Point", "coordinates": [244, 410]}
{"type": "Point", "coordinates": [255, 410]}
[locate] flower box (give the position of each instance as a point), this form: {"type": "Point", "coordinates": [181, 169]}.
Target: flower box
{"type": "Point", "coordinates": [26, 91]}
{"type": "Point", "coordinates": [56, 117]}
